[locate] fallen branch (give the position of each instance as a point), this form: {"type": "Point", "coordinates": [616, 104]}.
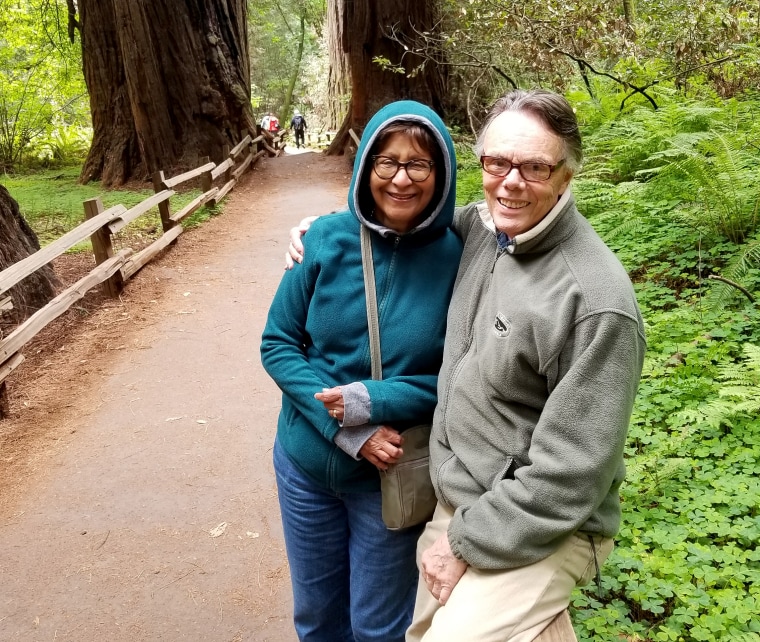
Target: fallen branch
{"type": "Point", "coordinates": [743, 290]}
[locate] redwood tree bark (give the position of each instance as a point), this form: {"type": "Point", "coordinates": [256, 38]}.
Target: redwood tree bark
{"type": "Point", "coordinates": [169, 82]}
{"type": "Point", "coordinates": [339, 77]}
{"type": "Point", "coordinates": [361, 25]}
{"type": "Point", "coordinates": [17, 241]}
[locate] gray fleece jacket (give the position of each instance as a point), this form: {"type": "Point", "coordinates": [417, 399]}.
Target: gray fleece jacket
{"type": "Point", "coordinates": [543, 354]}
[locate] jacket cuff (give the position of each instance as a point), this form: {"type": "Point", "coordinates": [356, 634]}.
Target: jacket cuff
{"type": "Point", "coordinates": [455, 536]}
{"type": "Point", "coordinates": [356, 404]}
{"type": "Point", "coordinates": [351, 440]}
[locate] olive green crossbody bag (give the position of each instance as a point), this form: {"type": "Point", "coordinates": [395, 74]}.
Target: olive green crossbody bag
{"type": "Point", "coordinates": [408, 495]}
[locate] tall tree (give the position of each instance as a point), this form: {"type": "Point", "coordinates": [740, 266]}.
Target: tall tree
{"type": "Point", "coordinates": [339, 77]}
{"type": "Point", "coordinates": [629, 11]}
{"type": "Point", "coordinates": [284, 38]}
{"type": "Point", "coordinates": [301, 37]}
{"type": "Point", "coordinates": [379, 67]}
{"type": "Point", "coordinates": [168, 82]}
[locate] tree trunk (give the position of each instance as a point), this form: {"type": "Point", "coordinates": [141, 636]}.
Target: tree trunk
{"type": "Point", "coordinates": [362, 40]}
{"type": "Point", "coordinates": [629, 12]}
{"type": "Point", "coordinates": [338, 80]}
{"type": "Point", "coordinates": [168, 83]}
{"type": "Point", "coordinates": [285, 113]}
{"type": "Point", "coordinates": [114, 155]}
{"type": "Point", "coordinates": [17, 241]}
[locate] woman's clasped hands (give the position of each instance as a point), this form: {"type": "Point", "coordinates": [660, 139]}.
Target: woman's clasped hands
{"type": "Point", "coordinates": [382, 449]}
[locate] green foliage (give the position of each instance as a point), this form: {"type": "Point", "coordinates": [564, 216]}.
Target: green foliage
{"type": "Point", "coordinates": [714, 178]}
{"type": "Point", "coordinates": [469, 177]}
{"type": "Point", "coordinates": [612, 55]}
{"type": "Point", "coordinates": [42, 93]}
{"type": "Point", "coordinates": [51, 201]}
{"type": "Point", "coordinates": [387, 65]}
{"type": "Point", "coordinates": [686, 567]}
{"type": "Point", "coordinates": [738, 396]}
{"type": "Point", "coordinates": [625, 145]}
{"type": "Point", "coordinates": [692, 166]}
{"type": "Point", "coordinates": [742, 267]}
{"type": "Point", "coordinates": [66, 144]}
{"type": "Point", "coordinates": [276, 35]}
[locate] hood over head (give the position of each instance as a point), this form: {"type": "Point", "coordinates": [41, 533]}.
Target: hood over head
{"type": "Point", "coordinates": [439, 214]}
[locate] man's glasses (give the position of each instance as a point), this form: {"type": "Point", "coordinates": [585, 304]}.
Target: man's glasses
{"type": "Point", "coordinates": [417, 170]}
{"type": "Point", "coordinates": [531, 172]}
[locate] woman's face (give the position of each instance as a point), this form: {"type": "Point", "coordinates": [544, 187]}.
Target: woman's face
{"type": "Point", "coordinates": [399, 201]}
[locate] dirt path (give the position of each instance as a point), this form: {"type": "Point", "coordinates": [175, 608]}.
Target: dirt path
{"type": "Point", "coordinates": [137, 499]}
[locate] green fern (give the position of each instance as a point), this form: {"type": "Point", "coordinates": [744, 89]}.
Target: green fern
{"type": "Point", "coordinates": [739, 270]}
{"type": "Point", "coordinates": [655, 468]}
{"type": "Point", "coordinates": [715, 176]}
{"type": "Point", "coordinates": [737, 396]}
{"type": "Point", "coordinates": [616, 152]}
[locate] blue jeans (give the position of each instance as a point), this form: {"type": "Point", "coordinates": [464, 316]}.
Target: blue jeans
{"type": "Point", "coordinates": [353, 579]}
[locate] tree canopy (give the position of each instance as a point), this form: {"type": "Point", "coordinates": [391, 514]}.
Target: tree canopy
{"type": "Point", "coordinates": [42, 92]}
{"type": "Point", "coordinates": [636, 47]}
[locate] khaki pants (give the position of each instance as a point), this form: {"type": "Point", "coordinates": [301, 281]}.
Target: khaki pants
{"type": "Point", "coordinates": [514, 605]}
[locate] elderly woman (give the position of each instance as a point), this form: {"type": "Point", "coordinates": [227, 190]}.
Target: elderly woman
{"type": "Point", "coordinates": [353, 579]}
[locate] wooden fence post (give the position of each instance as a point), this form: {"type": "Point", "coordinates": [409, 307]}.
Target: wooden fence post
{"type": "Point", "coordinates": [102, 247]}
{"type": "Point", "coordinates": [206, 176]}
{"type": "Point", "coordinates": [225, 156]}
{"type": "Point", "coordinates": [259, 144]}
{"type": "Point", "coordinates": [243, 133]}
{"type": "Point", "coordinates": [163, 206]}
{"type": "Point", "coordinates": [5, 404]}
{"type": "Point", "coordinates": [5, 370]}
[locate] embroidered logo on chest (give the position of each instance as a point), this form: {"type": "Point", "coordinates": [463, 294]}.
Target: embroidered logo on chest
{"type": "Point", "coordinates": [501, 326]}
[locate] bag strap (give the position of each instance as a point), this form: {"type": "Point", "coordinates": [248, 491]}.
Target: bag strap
{"type": "Point", "coordinates": [369, 289]}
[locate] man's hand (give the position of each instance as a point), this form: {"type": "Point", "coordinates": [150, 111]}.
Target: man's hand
{"type": "Point", "coordinates": [383, 448]}
{"type": "Point", "coordinates": [295, 249]}
{"type": "Point", "coordinates": [441, 570]}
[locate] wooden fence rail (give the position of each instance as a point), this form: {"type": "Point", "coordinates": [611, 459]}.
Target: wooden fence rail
{"type": "Point", "coordinates": [112, 269]}
{"type": "Point", "coordinates": [319, 139]}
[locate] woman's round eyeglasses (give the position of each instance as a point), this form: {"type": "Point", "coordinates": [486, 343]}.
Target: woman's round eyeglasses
{"type": "Point", "coordinates": [531, 172]}
{"type": "Point", "coordinates": [417, 169]}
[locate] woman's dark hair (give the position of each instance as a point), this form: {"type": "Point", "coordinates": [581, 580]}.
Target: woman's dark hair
{"type": "Point", "coordinates": [418, 133]}
{"type": "Point", "coordinates": [425, 140]}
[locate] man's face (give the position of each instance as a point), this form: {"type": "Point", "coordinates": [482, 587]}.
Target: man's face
{"type": "Point", "coordinates": [517, 205]}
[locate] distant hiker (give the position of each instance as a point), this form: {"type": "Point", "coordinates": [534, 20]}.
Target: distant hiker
{"type": "Point", "coordinates": [265, 122]}
{"type": "Point", "coordinates": [298, 125]}
{"type": "Point", "coordinates": [274, 123]}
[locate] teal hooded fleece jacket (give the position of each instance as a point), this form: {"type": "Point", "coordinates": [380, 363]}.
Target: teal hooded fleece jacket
{"type": "Point", "coordinates": [317, 335]}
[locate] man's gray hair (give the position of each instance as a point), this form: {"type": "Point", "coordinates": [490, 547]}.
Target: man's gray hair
{"type": "Point", "coordinates": [551, 109]}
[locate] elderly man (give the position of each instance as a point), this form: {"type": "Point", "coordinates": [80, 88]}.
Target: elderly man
{"type": "Point", "coordinates": [544, 349]}
{"type": "Point", "coordinates": [543, 354]}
